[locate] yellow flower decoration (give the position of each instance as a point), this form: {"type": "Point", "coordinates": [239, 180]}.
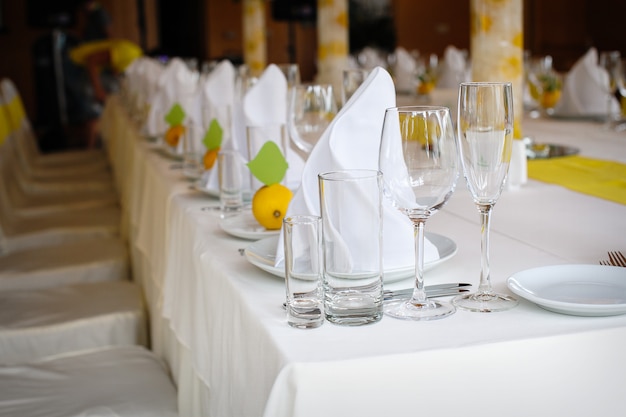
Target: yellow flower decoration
{"type": "Point", "coordinates": [342, 19]}
{"type": "Point", "coordinates": [335, 48]}
{"type": "Point", "coordinates": [518, 40]}
{"type": "Point", "coordinates": [325, 3]}
{"type": "Point", "coordinates": [512, 67]}
{"type": "Point", "coordinates": [256, 66]}
{"type": "Point", "coordinates": [485, 23]}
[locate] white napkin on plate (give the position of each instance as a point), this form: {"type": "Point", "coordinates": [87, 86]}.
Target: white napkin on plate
{"type": "Point", "coordinates": [584, 89]}
{"type": "Point", "coordinates": [352, 141]}
{"type": "Point", "coordinates": [453, 69]}
{"type": "Point", "coordinates": [405, 71]}
{"type": "Point", "coordinates": [265, 104]}
{"type": "Point", "coordinates": [177, 84]}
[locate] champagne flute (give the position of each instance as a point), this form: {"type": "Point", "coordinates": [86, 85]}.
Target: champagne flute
{"type": "Point", "coordinates": [485, 138]}
{"type": "Point", "coordinates": [418, 159]}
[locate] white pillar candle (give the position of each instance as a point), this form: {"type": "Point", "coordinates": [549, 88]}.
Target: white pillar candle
{"type": "Point", "coordinates": [332, 38]}
{"type": "Point", "coordinates": [497, 47]}
{"type": "Point", "coordinates": [254, 40]}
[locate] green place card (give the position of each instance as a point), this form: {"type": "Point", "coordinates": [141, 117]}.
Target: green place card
{"type": "Point", "coordinates": [269, 166]}
{"type": "Point", "coordinates": [176, 115]}
{"type": "Point", "coordinates": [213, 136]}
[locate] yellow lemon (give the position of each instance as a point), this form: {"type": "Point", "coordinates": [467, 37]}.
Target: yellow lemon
{"type": "Point", "coordinates": [173, 134]}
{"type": "Point", "coordinates": [209, 158]}
{"type": "Point", "coordinates": [425, 87]}
{"type": "Point", "coordinates": [269, 205]}
{"type": "Point", "coordinates": [550, 98]}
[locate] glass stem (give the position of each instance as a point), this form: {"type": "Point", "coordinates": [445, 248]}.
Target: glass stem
{"type": "Point", "coordinates": [485, 281]}
{"type": "Point", "coordinates": [419, 295]}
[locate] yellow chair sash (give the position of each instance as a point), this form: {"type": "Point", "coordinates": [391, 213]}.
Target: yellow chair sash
{"type": "Point", "coordinates": [16, 112]}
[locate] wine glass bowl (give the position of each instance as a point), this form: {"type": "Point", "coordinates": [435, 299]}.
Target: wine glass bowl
{"type": "Point", "coordinates": [418, 159]}
{"type": "Point", "coordinates": [312, 108]}
{"type": "Point", "coordinates": [485, 139]}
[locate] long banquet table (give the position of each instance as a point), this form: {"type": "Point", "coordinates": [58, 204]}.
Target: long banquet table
{"type": "Point", "coordinates": [217, 319]}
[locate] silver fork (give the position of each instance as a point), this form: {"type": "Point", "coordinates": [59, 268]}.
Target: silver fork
{"type": "Point", "coordinates": [617, 259]}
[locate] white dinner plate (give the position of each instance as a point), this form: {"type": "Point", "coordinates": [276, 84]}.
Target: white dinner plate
{"type": "Point", "coordinates": [578, 117]}
{"type": "Point", "coordinates": [170, 152]}
{"type": "Point", "coordinates": [245, 226]}
{"type": "Point", "coordinates": [197, 185]}
{"type": "Point", "coordinates": [580, 290]}
{"type": "Point", "coordinates": [262, 254]}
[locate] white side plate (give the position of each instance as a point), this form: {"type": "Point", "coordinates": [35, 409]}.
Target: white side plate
{"type": "Point", "coordinates": [580, 290]}
{"type": "Point", "coordinates": [245, 226]}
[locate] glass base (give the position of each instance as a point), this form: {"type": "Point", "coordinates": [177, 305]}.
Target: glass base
{"type": "Point", "coordinates": [408, 310]}
{"type": "Point", "coordinates": [485, 302]}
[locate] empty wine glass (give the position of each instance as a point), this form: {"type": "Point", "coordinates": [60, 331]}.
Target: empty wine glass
{"type": "Point", "coordinates": [312, 108]}
{"type": "Point", "coordinates": [418, 159]}
{"type": "Point", "coordinates": [485, 138]}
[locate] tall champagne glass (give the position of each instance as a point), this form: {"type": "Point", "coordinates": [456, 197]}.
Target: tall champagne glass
{"type": "Point", "coordinates": [418, 159]}
{"type": "Point", "coordinates": [485, 138]}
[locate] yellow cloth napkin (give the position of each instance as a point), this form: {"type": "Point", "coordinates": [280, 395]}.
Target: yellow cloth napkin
{"type": "Point", "coordinates": [604, 179]}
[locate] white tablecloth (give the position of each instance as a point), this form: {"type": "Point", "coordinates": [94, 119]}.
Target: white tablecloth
{"type": "Point", "coordinates": [218, 321]}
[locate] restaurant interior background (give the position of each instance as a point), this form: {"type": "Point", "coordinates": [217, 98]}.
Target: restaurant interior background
{"type": "Point", "coordinates": [211, 29]}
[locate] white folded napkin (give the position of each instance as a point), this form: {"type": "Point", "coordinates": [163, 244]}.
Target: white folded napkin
{"type": "Point", "coordinates": [152, 74]}
{"type": "Point", "coordinates": [215, 100]}
{"type": "Point", "coordinates": [584, 89]}
{"type": "Point", "coordinates": [405, 71]}
{"type": "Point", "coordinates": [370, 58]}
{"type": "Point", "coordinates": [453, 68]}
{"type": "Point", "coordinates": [177, 84]}
{"type": "Point", "coordinates": [352, 141]}
{"type": "Point", "coordinates": [265, 104]}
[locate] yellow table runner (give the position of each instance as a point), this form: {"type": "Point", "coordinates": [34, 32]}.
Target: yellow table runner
{"type": "Point", "coordinates": [604, 179]}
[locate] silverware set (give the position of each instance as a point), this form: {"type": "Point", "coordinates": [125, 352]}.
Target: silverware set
{"type": "Point", "coordinates": [616, 258]}
{"type": "Point", "coordinates": [438, 290]}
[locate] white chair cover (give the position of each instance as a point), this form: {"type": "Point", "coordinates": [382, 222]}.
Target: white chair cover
{"type": "Point", "coordinates": [69, 226]}
{"type": "Point", "coordinates": [93, 260]}
{"type": "Point", "coordinates": [35, 324]}
{"type": "Point", "coordinates": [23, 203]}
{"type": "Point", "coordinates": [118, 381]}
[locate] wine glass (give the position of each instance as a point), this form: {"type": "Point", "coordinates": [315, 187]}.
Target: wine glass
{"type": "Point", "coordinates": [485, 138]}
{"type": "Point", "coordinates": [418, 159]}
{"type": "Point", "coordinates": [544, 84]}
{"type": "Point", "coordinates": [611, 61]}
{"type": "Point", "coordinates": [312, 108]}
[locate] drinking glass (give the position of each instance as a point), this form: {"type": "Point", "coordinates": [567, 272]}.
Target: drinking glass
{"type": "Point", "coordinates": [193, 151]}
{"type": "Point", "coordinates": [292, 74]}
{"type": "Point", "coordinates": [351, 81]}
{"type": "Point", "coordinates": [312, 108]}
{"type": "Point", "coordinates": [351, 211]}
{"type": "Point", "coordinates": [419, 162]}
{"type": "Point", "coordinates": [611, 61]}
{"type": "Point", "coordinates": [303, 271]}
{"type": "Point", "coordinates": [232, 174]}
{"type": "Point", "coordinates": [485, 139]}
